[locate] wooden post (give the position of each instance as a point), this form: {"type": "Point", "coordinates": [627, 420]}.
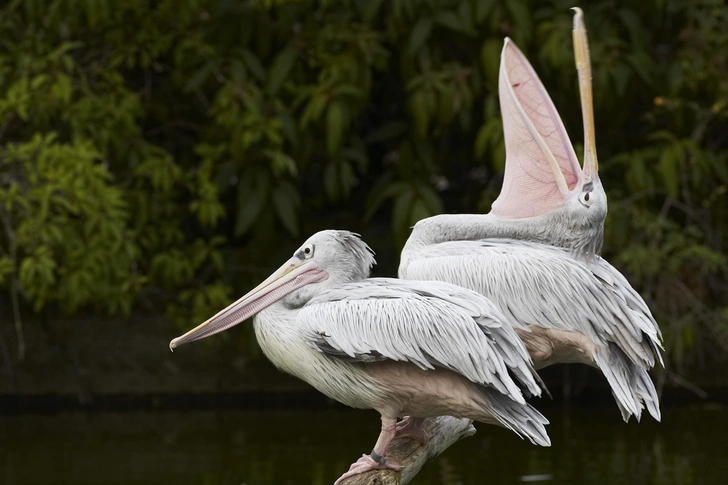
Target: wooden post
{"type": "Point", "coordinates": [412, 455]}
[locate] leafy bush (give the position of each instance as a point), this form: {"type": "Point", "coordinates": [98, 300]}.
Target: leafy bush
{"type": "Point", "coordinates": [159, 152]}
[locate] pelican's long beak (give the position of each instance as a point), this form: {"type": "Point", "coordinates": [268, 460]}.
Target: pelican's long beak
{"type": "Point", "coordinates": [583, 67]}
{"type": "Point", "coordinates": [542, 170]}
{"type": "Point", "coordinates": [294, 274]}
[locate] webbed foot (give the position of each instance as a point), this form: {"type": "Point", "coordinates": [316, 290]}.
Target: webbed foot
{"type": "Point", "coordinates": [366, 463]}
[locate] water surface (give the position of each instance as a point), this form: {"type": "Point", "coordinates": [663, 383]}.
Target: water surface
{"type": "Point", "coordinates": [308, 447]}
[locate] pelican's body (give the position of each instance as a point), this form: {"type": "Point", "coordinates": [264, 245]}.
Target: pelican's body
{"type": "Point", "coordinates": [536, 254]}
{"type": "Point", "coordinates": [565, 310]}
{"type": "Point", "coordinates": [401, 347]}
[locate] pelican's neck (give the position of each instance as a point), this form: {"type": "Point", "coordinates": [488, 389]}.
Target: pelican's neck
{"type": "Point", "coordinates": [552, 229]}
{"type": "Point", "coordinates": [275, 329]}
{"type": "Point", "coordinates": [469, 227]}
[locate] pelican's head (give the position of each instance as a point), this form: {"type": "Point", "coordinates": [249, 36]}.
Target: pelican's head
{"type": "Point", "coordinates": [326, 260]}
{"type": "Point", "coordinates": [578, 221]}
{"type": "Point", "coordinates": [543, 180]}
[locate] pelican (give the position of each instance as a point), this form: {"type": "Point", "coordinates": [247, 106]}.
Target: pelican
{"type": "Point", "coordinates": [527, 254]}
{"type": "Point", "coordinates": [401, 347]}
{"type": "Point", "coordinates": [546, 196]}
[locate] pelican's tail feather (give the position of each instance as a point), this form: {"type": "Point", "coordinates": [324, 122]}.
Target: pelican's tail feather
{"type": "Point", "coordinates": [522, 419]}
{"type": "Point", "coordinates": [647, 392]}
{"type": "Point", "coordinates": [631, 384]}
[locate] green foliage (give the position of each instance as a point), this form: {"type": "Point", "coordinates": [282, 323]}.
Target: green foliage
{"type": "Point", "coordinates": [167, 152]}
{"type": "Point", "coordinates": [66, 225]}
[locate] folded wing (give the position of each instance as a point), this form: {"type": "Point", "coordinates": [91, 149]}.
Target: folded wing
{"type": "Point", "coordinates": [535, 284]}
{"type": "Point", "coordinates": [430, 324]}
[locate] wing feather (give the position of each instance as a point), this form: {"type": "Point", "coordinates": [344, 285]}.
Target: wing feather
{"type": "Point", "coordinates": [430, 324]}
{"type": "Point", "coordinates": [547, 286]}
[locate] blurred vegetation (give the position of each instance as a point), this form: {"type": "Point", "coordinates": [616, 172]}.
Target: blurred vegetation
{"type": "Point", "coordinates": [166, 154]}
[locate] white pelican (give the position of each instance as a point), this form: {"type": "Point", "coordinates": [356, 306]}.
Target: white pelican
{"type": "Point", "coordinates": [401, 347]}
{"type": "Point", "coordinates": [546, 196]}
{"type": "Point", "coordinates": [567, 307]}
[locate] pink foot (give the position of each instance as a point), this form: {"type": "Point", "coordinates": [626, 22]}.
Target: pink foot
{"type": "Point", "coordinates": [410, 427]}
{"type": "Point", "coordinates": [364, 464]}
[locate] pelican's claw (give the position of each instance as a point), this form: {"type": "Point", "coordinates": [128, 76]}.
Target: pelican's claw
{"type": "Point", "coordinates": [410, 427]}
{"type": "Point", "coordinates": [364, 464]}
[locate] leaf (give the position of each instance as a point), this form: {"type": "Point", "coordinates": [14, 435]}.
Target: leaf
{"type": "Point", "coordinates": [196, 81]}
{"type": "Point", "coordinates": [38, 81]}
{"type": "Point", "coordinates": [418, 212]}
{"type": "Point", "coordinates": [521, 18]}
{"type": "Point", "coordinates": [386, 132]}
{"type": "Point", "coordinates": [331, 185]}
{"type": "Point", "coordinates": [482, 9]}
{"type": "Point", "coordinates": [451, 21]}
{"type": "Point", "coordinates": [498, 155]}
{"type": "Point", "coordinates": [401, 210]}
{"type": "Point", "coordinates": [719, 165]}
{"type": "Point", "coordinates": [688, 335]}
{"type": "Point", "coordinates": [371, 10]}
{"type": "Point", "coordinates": [662, 135]}
{"type": "Point", "coordinates": [490, 60]}
{"type": "Point", "coordinates": [636, 175]}
{"type": "Point", "coordinates": [642, 64]}
{"type": "Point", "coordinates": [669, 163]}
{"type": "Point", "coordinates": [238, 71]}
{"type": "Point", "coordinates": [347, 90]}
{"type": "Point", "coordinates": [633, 26]}
{"type": "Point", "coordinates": [421, 109]}
{"type": "Point", "coordinates": [482, 139]}
{"type": "Point", "coordinates": [384, 190]}
{"type": "Point", "coordinates": [430, 198]}
{"type": "Point", "coordinates": [621, 75]}
{"type": "Point", "coordinates": [313, 109]}
{"type": "Point", "coordinates": [448, 20]}
{"type": "Point", "coordinates": [6, 267]}
{"type": "Point", "coordinates": [281, 163]}
{"type": "Point", "coordinates": [337, 119]}
{"type": "Point", "coordinates": [252, 194]}
{"type": "Point", "coordinates": [282, 65]}
{"type": "Point", "coordinates": [488, 136]}
{"type": "Point", "coordinates": [346, 178]}
{"type": "Point", "coordinates": [286, 206]}
{"type": "Point", "coordinates": [288, 125]}
{"type": "Point", "coordinates": [62, 89]}
{"type": "Point", "coordinates": [419, 35]}
{"type": "Point", "coordinates": [465, 13]}
{"type": "Point", "coordinates": [253, 64]}
{"type": "Point", "coordinates": [358, 155]}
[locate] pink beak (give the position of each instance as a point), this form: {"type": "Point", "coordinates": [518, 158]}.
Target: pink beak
{"type": "Point", "coordinates": [294, 274]}
{"type": "Point", "coordinates": [542, 171]}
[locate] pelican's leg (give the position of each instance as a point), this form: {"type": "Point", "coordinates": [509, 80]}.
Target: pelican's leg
{"type": "Point", "coordinates": [410, 427]}
{"type": "Point", "coordinates": [376, 460]}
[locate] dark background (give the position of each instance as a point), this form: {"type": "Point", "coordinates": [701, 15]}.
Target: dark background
{"type": "Point", "coordinates": [159, 158]}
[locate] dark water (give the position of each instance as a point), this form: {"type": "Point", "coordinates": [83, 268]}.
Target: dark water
{"type": "Point", "coordinates": [315, 447]}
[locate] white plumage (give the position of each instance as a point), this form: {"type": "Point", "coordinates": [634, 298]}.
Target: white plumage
{"type": "Point", "coordinates": [569, 305]}
{"type": "Point", "coordinates": [545, 287]}
{"type": "Point", "coordinates": [401, 347]}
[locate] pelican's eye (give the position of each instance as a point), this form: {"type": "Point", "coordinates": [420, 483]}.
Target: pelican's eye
{"type": "Point", "coordinates": [586, 198]}
{"type": "Point", "coordinates": [308, 251]}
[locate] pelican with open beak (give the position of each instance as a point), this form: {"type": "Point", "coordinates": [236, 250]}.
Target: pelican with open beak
{"type": "Point", "coordinates": [543, 179]}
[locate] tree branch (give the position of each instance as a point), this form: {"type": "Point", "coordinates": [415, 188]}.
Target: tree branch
{"type": "Point", "coordinates": [444, 432]}
{"type": "Point", "coordinates": [14, 284]}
